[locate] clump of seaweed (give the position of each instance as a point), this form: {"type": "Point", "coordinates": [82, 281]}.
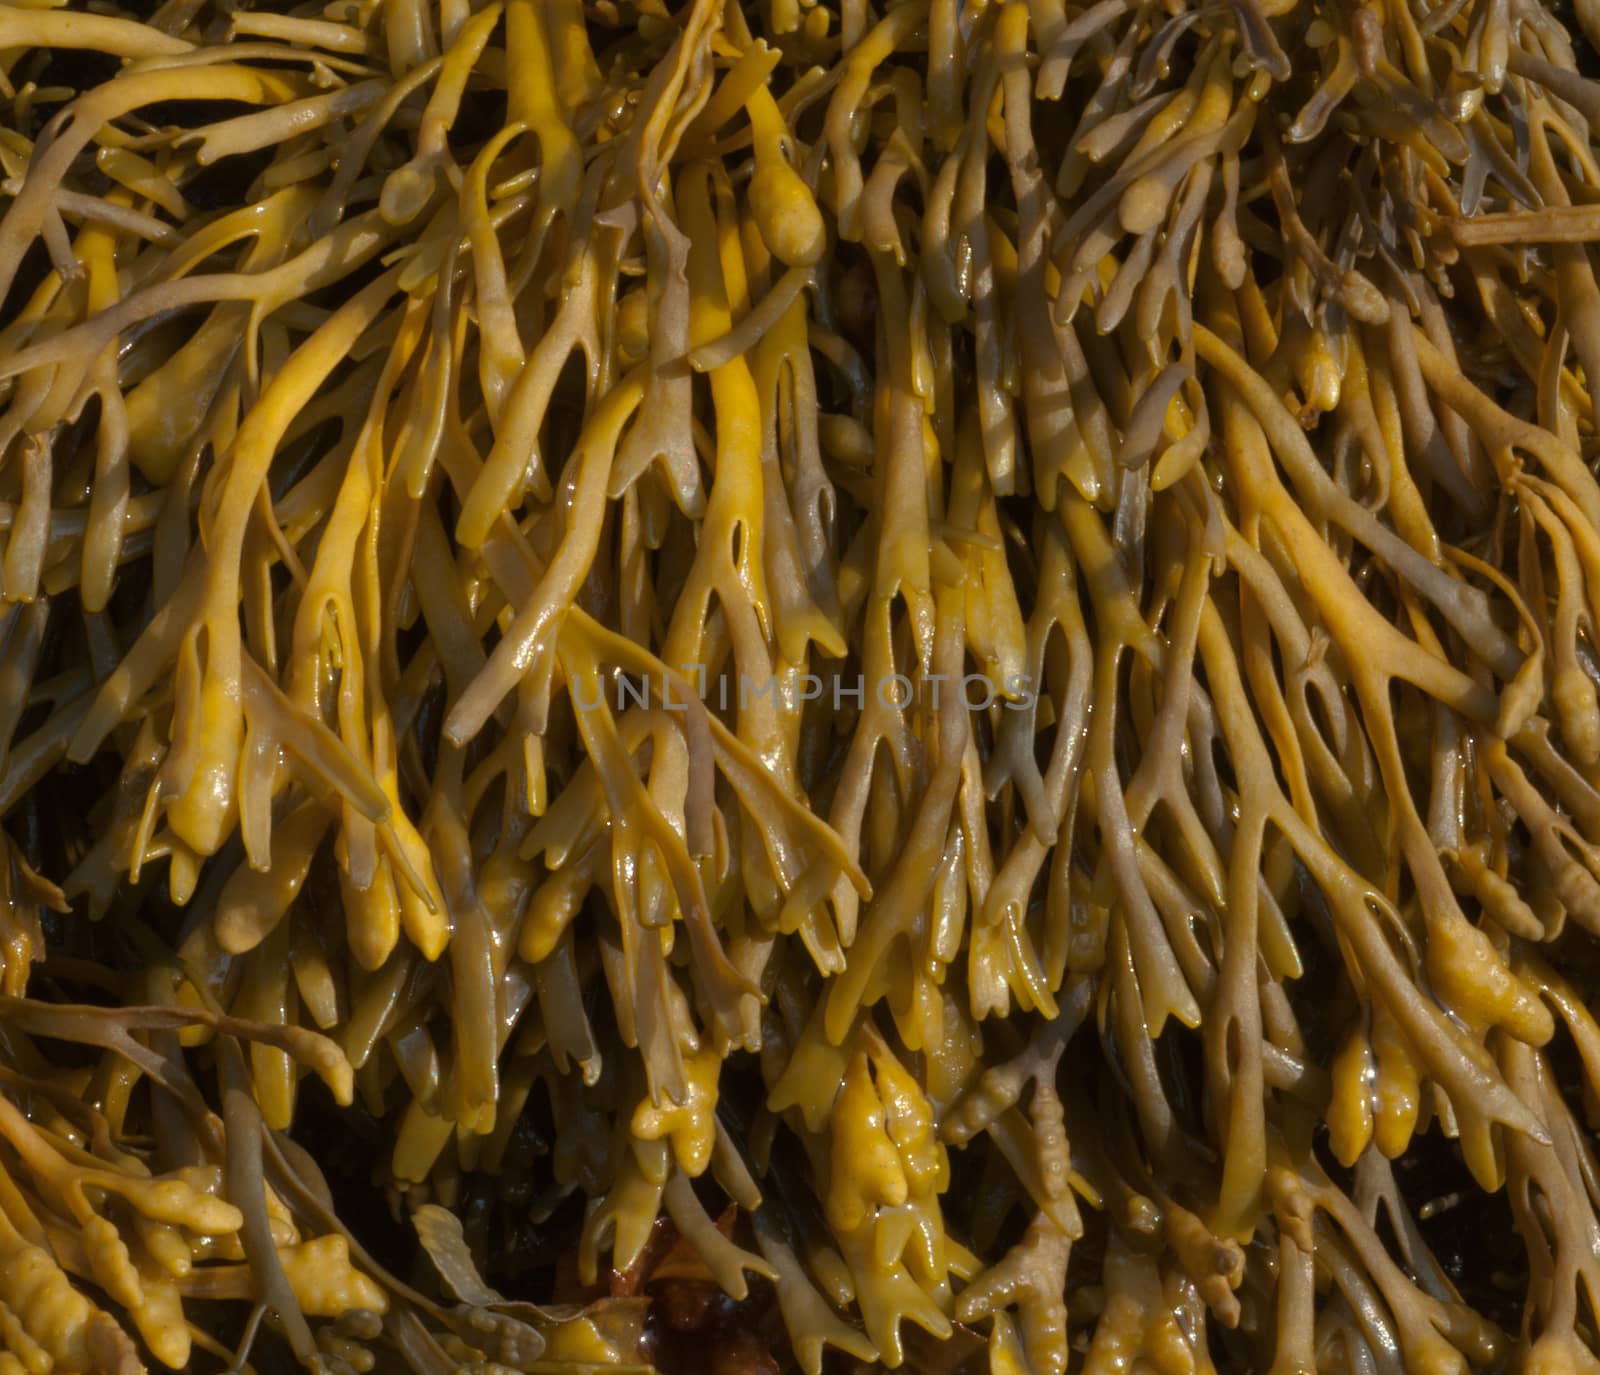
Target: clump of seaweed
{"type": "Point", "coordinates": [917, 681]}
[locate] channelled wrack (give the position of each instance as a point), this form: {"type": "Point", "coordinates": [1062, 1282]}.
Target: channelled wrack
{"type": "Point", "coordinates": [742, 687]}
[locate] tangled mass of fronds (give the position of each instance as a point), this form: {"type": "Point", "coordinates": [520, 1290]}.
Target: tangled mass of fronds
{"type": "Point", "coordinates": [774, 686]}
